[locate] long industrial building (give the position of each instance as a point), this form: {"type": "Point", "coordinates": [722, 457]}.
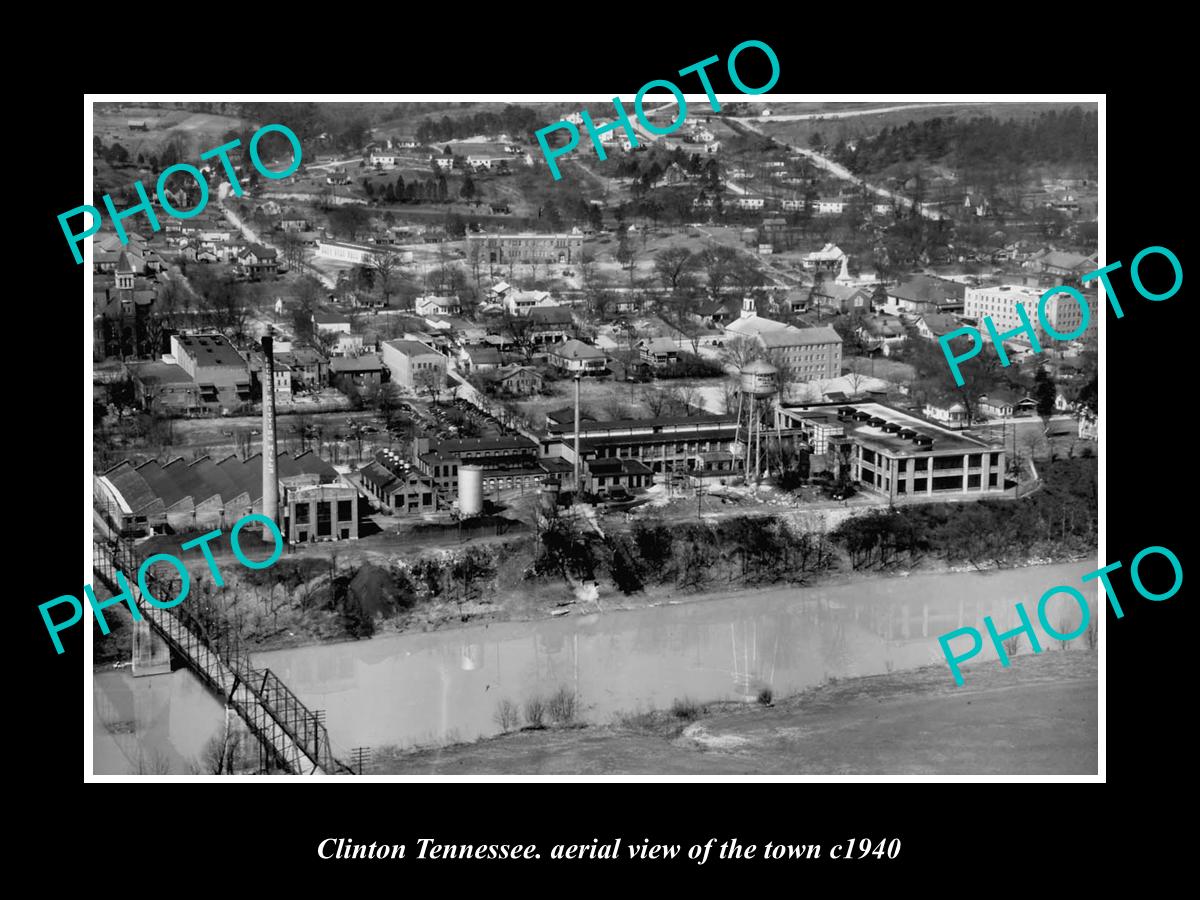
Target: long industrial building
{"type": "Point", "coordinates": [206, 494]}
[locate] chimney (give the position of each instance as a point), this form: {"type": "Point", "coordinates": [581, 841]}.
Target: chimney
{"type": "Point", "coordinates": [270, 486]}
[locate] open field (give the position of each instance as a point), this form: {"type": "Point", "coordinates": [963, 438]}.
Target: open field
{"type": "Point", "coordinates": [833, 130]}
{"type": "Point", "coordinates": [1039, 716]}
{"type": "Point", "coordinates": [196, 132]}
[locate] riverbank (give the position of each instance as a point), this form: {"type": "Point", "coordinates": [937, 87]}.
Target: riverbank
{"type": "Point", "coordinates": [536, 602]}
{"type": "Point", "coordinates": [1039, 716]}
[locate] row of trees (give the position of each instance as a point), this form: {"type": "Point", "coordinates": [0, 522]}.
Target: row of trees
{"type": "Point", "coordinates": [1059, 519]}
{"type": "Point", "coordinates": [748, 550]}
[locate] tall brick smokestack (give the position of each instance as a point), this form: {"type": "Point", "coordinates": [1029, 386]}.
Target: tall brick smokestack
{"type": "Point", "coordinates": [270, 452]}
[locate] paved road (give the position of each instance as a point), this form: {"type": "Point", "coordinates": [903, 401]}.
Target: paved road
{"type": "Point", "coordinates": [841, 114]}
{"type": "Point", "coordinates": [839, 171]}
{"type": "Point", "coordinates": [251, 235]}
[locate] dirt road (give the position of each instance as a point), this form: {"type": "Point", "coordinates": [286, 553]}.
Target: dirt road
{"type": "Point", "coordinates": [1037, 717]}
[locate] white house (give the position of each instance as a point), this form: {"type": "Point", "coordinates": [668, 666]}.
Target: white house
{"type": "Point", "coordinates": [432, 305]}
{"type": "Point", "coordinates": [519, 303]}
{"type": "Point", "coordinates": [382, 158]}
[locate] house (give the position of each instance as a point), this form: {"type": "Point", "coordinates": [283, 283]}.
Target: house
{"type": "Point", "coordinates": [517, 380]}
{"type": "Point", "coordinates": [479, 358]}
{"type": "Point", "coordinates": [165, 388]}
{"type": "Point", "coordinates": [550, 325]}
{"type": "Point", "coordinates": [576, 357]}
{"type": "Point", "coordinates": [330, 322]}
{"type": "Point", "coordinates": [259, 262]}
{"type": "Point", "coordinates": [414, 365]}
{"type": "Point", "coordinates": [919, 294]}
{"type": "Point", "coordinates": [718, 312]}
{"type": "Point", "coordinates": [947, 410]}
{"type": "Point", "coordinates": [829, 258]}
{"type": "Point", "coordinates": [337, 177]}
{"type": "Point", "coordinates": [363, 371]}
{"type": "Point", "coordinates": [309, 367]}
{"type": "Point", "coordinates": [270, 208]}
{"type": "Point", "coordinates": [748, 202]}
{"type": "Point", "coordinates": [1061, 264]}
{"type": "Point", "coordinates": [797, 301]}
{"type": "Point", "coordinates": [519, 303]}
{"type": "Point", "coordinates": [282, 380]}
{"type": "Point", "coordinates": [382, 158]}
{"type": "Point", "coordinates": [998, 404]}
{"type": "Point", "coordinates": [659, 353]}
{"type": "Point", "coordinates": [293, 221]}
{"type": "Point", "coordinates": [431, 305]}
{"type": "Point", "coordinates": [1088, 425]}
{"type": "Point", "coordinates": [932, 326]}
{"type": "Point", "coordinates": [445, 163]}
{"type": "Point", "coordinates": [883, 331]}
{"type": "Point", "coordinates": [346, 344]}
{"type": "Point", "coordinates": [841, 298]}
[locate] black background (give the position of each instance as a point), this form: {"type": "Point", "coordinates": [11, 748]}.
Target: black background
{"type": "Point", "coordinates": [959, 835]}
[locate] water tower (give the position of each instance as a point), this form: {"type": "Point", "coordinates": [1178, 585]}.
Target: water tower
{"type": "Point", "coordinates": [757, 384]}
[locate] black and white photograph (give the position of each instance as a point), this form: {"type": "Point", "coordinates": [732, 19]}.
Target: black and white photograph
{"type": "Point", "coordinates": [542, 437]}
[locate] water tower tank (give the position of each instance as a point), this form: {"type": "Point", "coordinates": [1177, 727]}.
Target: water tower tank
{"type": "Point", "coordinates": [759, 378]}
{"type": "Point", "coordinates": [470, 491]}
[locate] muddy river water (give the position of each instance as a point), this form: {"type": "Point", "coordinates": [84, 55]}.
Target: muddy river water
{"type": "Point", "coordinates": [425, 689]}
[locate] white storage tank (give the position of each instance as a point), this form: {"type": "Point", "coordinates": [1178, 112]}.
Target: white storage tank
{"type": "Point", "coordinates": [759, 378]}
{"type": "Point", "coordinates": [470, 491]}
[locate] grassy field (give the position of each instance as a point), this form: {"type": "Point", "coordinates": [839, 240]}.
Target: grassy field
{"type": "Point", "coordinates": [196, 132]}
{"type": "Point", "coordinates": [833, 130]}
{"type": "Point", "coordinates": [1037, 717]}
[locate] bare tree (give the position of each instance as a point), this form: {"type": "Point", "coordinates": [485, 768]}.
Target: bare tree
{"type": "Point", "coordinates": [387, 270]}
{"type": "Point", "coordinates": [718, 263]}
{"type": "Point", "coordinates": [740, 350]}
{"type": "Point", "coordinates": [684, 398]}
{"type": "Point", "coordinates": [655, 400]}
{"type": "Point", "coordinates": [673, 267]}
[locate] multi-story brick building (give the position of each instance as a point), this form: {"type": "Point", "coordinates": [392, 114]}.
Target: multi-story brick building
{"type": "Point", "coordinates": [527, 247]}
{"type": "Point", "coordinates": [414, 365]}
{"type": "Point", "coordinates": [217, 368]}
{"type": "Point", "coordinates": [999, 303]}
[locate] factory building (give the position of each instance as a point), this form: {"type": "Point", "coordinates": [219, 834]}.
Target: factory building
{"type": "Point", "coordinates": [204, 494]}
{"type": "Point", "coordinates": [396, 484]}
{"type": "Point", "coordinates": [507, 462]}
{"type": "Point", "coordinates": [894, 453]}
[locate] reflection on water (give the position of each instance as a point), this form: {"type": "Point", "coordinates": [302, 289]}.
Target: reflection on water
{"type": "Point", "coordinates": [418, 689]}
{"type": "Point", "coordinates": [153, 725]}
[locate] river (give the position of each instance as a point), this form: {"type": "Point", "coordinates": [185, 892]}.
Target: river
{"type": "Point", "coordinates": [424, 689]}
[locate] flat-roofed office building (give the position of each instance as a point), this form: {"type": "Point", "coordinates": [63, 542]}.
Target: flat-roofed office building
{"type": "Point", "coordinates": [897, 454]}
